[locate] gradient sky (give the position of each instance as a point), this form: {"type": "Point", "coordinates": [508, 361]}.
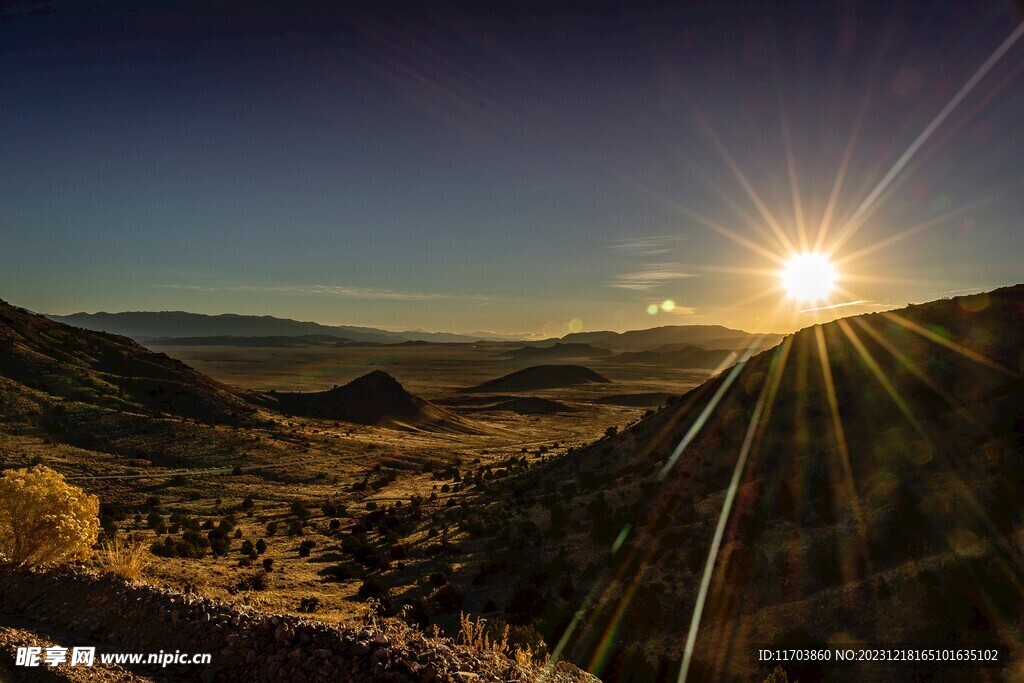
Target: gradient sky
{"type": "Point", "coordinates": [508, 167]}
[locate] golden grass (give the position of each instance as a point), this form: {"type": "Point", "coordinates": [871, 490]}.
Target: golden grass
{"type": "Point", "coordinates": [523, 656]}
{"type": "Point", "coordinates": [474, 635]}
{"type": "Point", "coordinates": [124, 557]}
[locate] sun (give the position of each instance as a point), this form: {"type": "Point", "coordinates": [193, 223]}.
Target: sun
{"type": "Point", "coordinates": [808, 277]}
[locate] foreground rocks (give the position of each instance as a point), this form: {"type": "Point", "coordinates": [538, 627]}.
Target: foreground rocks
{"type": "Point", "coordinates": [245, 644]}
{"type": "Point", "coordinates": [13, 638]}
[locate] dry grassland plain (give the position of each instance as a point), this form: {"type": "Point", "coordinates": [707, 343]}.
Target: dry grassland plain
{"type": "Point", "coordinates": [293, 461]}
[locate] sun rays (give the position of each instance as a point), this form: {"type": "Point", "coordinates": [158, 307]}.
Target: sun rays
{"type": "Point", "coordinates": [809, 277]}
{"type": "Point", "coordinates": [832, 273]}
{"type": "Point", "coordinates": [811, 270]}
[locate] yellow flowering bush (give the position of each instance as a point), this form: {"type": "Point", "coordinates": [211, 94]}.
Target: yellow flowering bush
{"type": "Point", "coordinates": [43, 519]}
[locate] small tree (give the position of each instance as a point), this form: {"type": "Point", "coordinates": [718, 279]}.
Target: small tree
{"type": "Point", "coordinates": [43, 519]}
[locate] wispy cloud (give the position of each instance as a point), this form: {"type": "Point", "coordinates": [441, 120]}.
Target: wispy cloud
{"type": "Point", "coordinates": [866, 303]}
{"type": "Point", "coordinates": [650, 277]}
{"type": "Point", "coordinates": [341, 291]}
{"type": "Point", "coordinates": [647, 246]}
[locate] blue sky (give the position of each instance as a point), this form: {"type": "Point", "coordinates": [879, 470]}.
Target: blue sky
{"type": "Point", "coordinates": [511, 169]}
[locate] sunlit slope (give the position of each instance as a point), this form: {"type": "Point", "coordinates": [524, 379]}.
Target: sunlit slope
{"type": "Point", "coordinates": [880, 501]}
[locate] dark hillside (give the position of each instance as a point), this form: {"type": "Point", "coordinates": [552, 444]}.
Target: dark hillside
{"type": "Point", "coordinates": [376, 398]}
{"type": "Point", "coordinates": [541, 377]}
{"type": "Point", "coordinates": [42, 361]}
{"type": "Point", "coordinates": [880, 502]}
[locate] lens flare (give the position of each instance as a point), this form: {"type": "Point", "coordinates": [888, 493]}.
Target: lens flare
{"type": "Point", "coordinates": [808, 277]}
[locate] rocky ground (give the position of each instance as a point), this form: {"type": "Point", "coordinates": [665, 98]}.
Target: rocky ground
{"type": "Point", "coordinates": [69, 607]}
{"type": "Point", "coordinates": [13, 638]}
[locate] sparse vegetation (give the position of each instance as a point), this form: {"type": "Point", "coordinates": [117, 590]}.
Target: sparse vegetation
{"type": "Point", "coordinates": [524, 646]}
{"type": "Point", "coordinates": [475, 634]}
{"type": "Point", "coordinates": [124, 557]}
{"type": "Point", "coordinates": [254, 581]}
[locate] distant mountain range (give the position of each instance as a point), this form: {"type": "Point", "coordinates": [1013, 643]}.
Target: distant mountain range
{"type": "Point", "coordinates": [171, 328]}
{"type": "Point", "coordinates": [146, 327]}
{"type": "Point", "coordinates": [705, 336]}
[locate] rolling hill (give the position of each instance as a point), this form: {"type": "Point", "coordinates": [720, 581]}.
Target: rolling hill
{"type": "Point", "coordinates": [44, 364]}
{"type": "Point", "coordinates": [879, 473]}
{"type": "Point", "coordinates": [558, 351]}
{"type": "Point", "coordinates": [541, 377]}
{"type": "Point", "coordinates": [374, 399]}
